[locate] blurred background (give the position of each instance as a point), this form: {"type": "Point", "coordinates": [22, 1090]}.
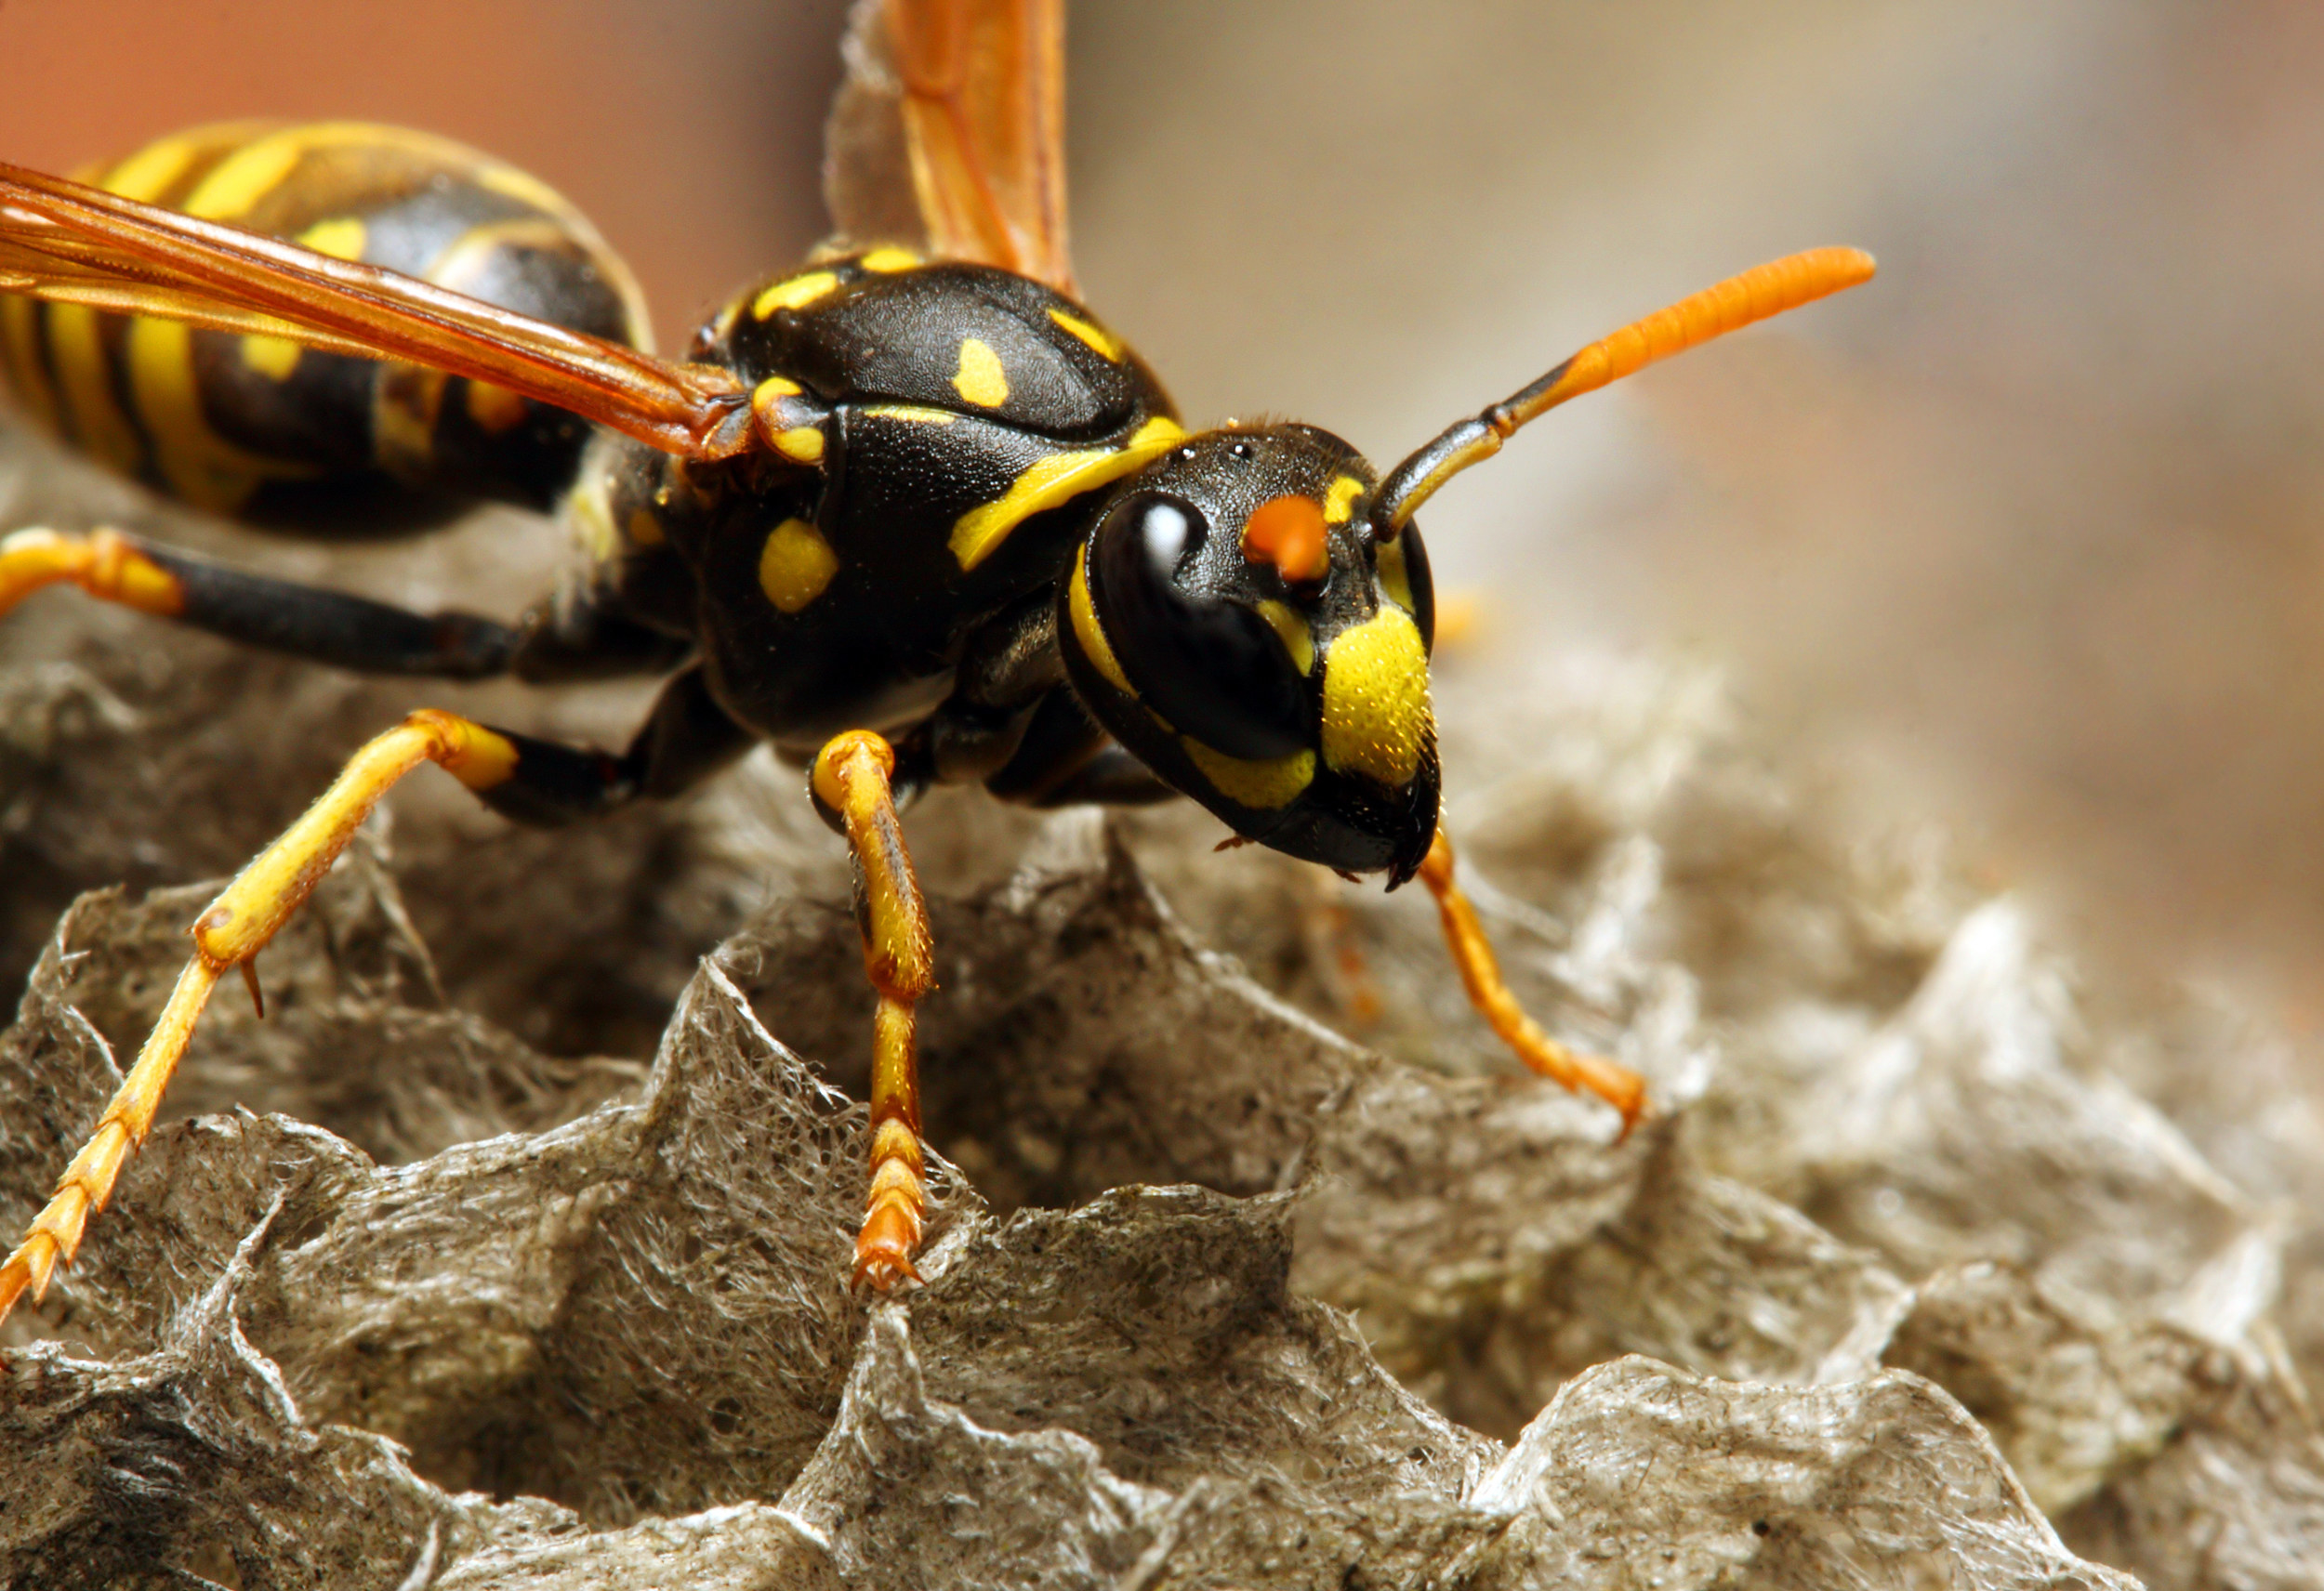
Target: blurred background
{"type": "Point", "coordinates": [2027, 537]}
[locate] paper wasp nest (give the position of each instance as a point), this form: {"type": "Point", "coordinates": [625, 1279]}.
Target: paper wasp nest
{"type": "Point", "coordinates": [1929, 1274]}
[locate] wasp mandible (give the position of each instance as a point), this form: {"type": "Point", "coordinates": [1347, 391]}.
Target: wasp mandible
{"type": "Point", "coordinates": [912, 513]}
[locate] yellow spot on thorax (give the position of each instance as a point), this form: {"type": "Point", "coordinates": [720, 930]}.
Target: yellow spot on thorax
{"type": "Point", "coordinates": [980, 379]}
{"type": "Point", "coordinates": [1342, 496]}
{"type": "Point", "coordinates": [800, 444]}
{"type": "Point", "coordinates": [1376, 709]}
{"type": "Point", "coordinates": [1263, 785]}
{"type": "Point", "coordinates": [1053, 481]}
{"type": "Point", "coordinates": [794, 292]}
{"type": "Point", "coordinates": [911, 414]}
{"type": "Point", "coordinates": [1094, 645]}
{"type": "Point", "coordinates": [796, 565]}
{"type": "Point", "coordinates": [887, 261]}
{"type": "Point", "coordinates": [1108, 345]}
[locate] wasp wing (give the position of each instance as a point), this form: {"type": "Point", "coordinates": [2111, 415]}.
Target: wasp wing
{"type": "Point", "coordinates": [950, 132]}
{"type": "Point", "coordinates": [76, 244]}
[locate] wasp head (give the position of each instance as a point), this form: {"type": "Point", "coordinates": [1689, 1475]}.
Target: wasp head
{"type": "Point", "coordinates": [1234, 618]}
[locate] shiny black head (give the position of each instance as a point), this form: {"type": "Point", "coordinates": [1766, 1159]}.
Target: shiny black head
{"type": "Point", "coordinates": [1236, 621]}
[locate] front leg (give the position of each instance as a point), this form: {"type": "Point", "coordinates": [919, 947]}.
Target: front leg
{"type": "Point", "coordinates": [851, 783]}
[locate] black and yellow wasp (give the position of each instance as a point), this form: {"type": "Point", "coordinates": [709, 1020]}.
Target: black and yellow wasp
{"type": "Point", "coordinates": [912, 513]}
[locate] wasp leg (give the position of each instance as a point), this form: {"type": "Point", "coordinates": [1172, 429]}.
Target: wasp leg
{"type": "Point", "coordinates": [851, 782]}
{"type": "Point", "coordinates": [1481, 975]}
{"type": "Point", "coordinates": [327, 627]}
{"type": "Point", "coordinates": [686, 737]}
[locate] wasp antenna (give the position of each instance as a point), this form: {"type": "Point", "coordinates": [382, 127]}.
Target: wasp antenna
{"type": "Point", "coordinates": [1762, 291]}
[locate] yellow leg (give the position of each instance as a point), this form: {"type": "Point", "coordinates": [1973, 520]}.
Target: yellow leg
{"type": "Point", "coordinates": [1481, 975]}
{"type": "Point", "coordinates": [851, 778]}
{"type": "Point", "coordinates": [105, 564]}
{"type": "Point", "coordinates": [230, 934]}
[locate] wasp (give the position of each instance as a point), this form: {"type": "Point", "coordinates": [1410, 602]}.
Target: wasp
{"type": "Point", "coordinates": [912, 513]}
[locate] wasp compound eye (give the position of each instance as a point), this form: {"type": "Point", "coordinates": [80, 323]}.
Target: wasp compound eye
{"type": "Point", "coordinates": [1209, 664]}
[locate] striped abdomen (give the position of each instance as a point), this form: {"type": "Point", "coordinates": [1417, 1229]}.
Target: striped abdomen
{"type": "Point", "coordinates": [275, 433]}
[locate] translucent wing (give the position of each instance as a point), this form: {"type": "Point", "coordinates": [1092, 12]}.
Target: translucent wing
{"type": "Point", "coordinates": [949, 133]}
{"type": "Point", "coordinates": [75, 244]}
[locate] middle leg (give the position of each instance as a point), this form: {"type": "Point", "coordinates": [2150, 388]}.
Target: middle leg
{"type": "Point", "coordinates": [852, 786]}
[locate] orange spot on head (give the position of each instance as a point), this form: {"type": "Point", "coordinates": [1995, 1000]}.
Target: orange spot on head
{"type": "Point", "coordinates": [1288, 532]}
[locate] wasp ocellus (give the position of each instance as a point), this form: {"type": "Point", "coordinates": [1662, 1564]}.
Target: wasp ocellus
{"type": "Point", "coordinates": [912, 512]}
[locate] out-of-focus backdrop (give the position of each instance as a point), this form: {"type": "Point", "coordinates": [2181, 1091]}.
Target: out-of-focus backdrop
{"type": "Point", "coordinates": [2027, 537]}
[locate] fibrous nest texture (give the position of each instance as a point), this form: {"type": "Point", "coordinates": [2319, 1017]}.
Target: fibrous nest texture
{"type": "Point", "coordinates": [510, 1250]}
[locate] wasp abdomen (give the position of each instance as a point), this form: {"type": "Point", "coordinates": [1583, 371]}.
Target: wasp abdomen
{"type": "Point", "coordinates": [329, 445]}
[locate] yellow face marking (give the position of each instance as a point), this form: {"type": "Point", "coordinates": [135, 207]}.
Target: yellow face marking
{"type": "Point", "coordinates": [495, 409]}
{"type": "Point", "coordinates": [801, 445]}
{"type": "Point", "coordinates": [645, 531]}
{"type": "Point", "coordinates": [1053, 481]}
{"type": "Point", "coordinates": [794, 292]}
{"type": "Point", "coordinates": [1292, 630]}
{"type": "Point", "coordinates": [1108, 345]}
{"type": "Point", "coordinates": [1265, 785]}
{"type": "Point", "coordinates": [1085, 621]}
{"type": "Point", "coordinates": [887, 261]}
{"type": "Point", "coordinates": [980, 379]}
{"type": "Point", "coordinates": [912, 413]}
{"type": "Point", "coordinates": [1338, 501]}
{"type": "Point", "coordinates": [1376, 707]}
{"type": "Point", "coordinates": [1392, 578]}
{"type": "Point", "coordinates": [795, 564]}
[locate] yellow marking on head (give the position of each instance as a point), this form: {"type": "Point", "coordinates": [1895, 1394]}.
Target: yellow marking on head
{"type": "Point", "coordinates": [1086, 627]}
{"type": "Point", "coordinates": [794, 292]}
{"type": "Point", "coordinates": [1053, 481]}
{"type": "Point", "coordinates": [980, 379]}
{"type": "Point", "coordinates": [645, 531]}
{"type": "Point", "coordinates": [1108, 345]}
{"type": "Point", "coordinates": [1394, 580]}
{"type": "Point", "coordinates": [495, 409]}
{"type": "Point", "coordinates": [800, 444]}
{"type": "Point", "coordinates": [1264, 785]}
{"type": "Point", "coordinates": [93, 417]}
{"type": "Point", "coordinates": [912, 413]}
{"type": "Point", "coordinates": [1376, 709]}
{"type": "Point", "coordinates": [1292, 631]}
{"type": "Point", "coordinates": [1341, 498]}
{"type": "Point", "coordinates": [795, 565]}
{"type": "Point", "coordinates": [20, 351]}
{"type": "Point", "coordinates": [889, 260]}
